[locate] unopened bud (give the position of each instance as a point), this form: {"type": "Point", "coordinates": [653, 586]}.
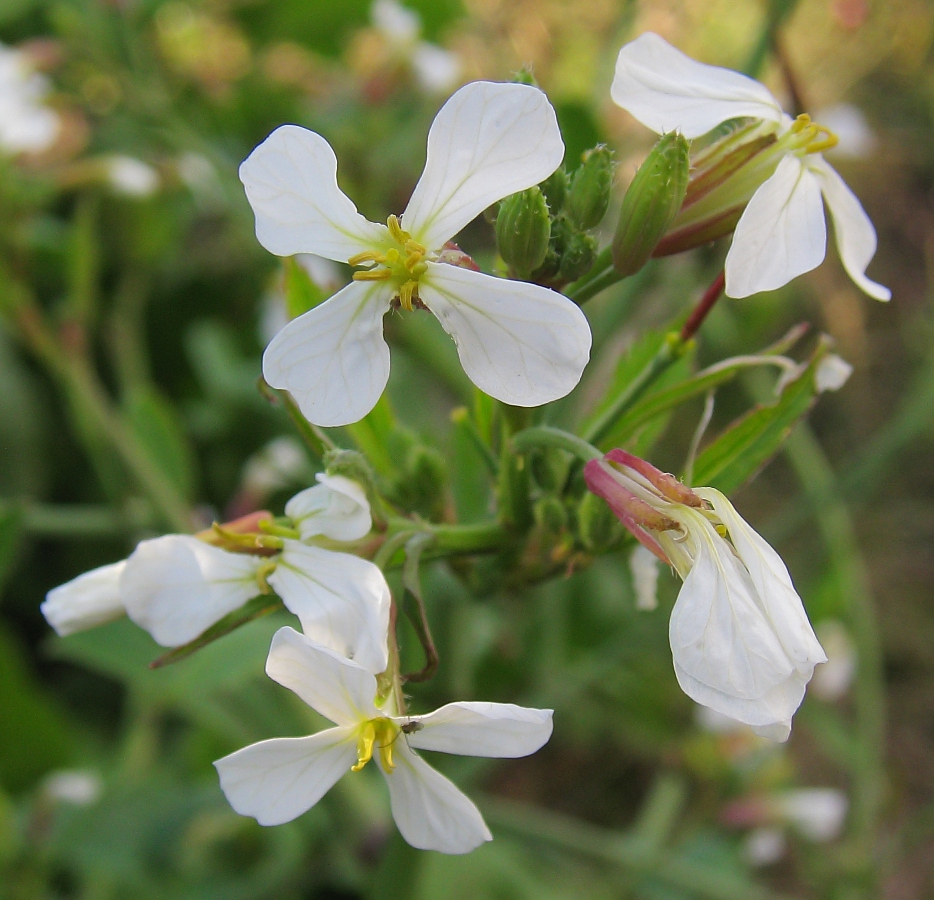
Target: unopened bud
{"type": "Point", "coordinates": [555, 189]}
{"type": "Point", "coordinates": [578, 257]}
{"type": "Point", "coordinates": [523, 228]}
{"type": "Point", "coordinates": [651, 203]}
{"type": "Point", "coordinates": [590, 188]}
{"type": "Point", "coordinates": [597, 527]}
{"type": "Point", "coordinates": [423, 486]}
{"type": "Point", "coordinates": [550, 514]}
{"type": "Point", "coordinates": [550, 469]}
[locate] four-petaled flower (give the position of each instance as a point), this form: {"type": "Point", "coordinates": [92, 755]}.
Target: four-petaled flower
{"type": "Point", "coordinates": [277, 780]}
{"type": "Point", "coordinates": [521, 343]}
{"type": "Point", "coordinates": [740, 638]}
{"type": "Point", "coordinates": [781, 233]}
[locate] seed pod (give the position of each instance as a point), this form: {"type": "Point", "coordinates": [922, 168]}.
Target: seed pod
{"type": "Point", "coordinates": [523, 227]}
{"type": "Point", "coordinates": [590, 188]}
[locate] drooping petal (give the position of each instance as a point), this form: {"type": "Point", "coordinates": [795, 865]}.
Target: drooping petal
{"type": "Point", "coordinates": [520, 343]}
{"type": "Point", "coordinates": [84, 602]}
{"type": "Point", "coordinates": [277, 780]}
{"type": "Point", "coordinates": [668, 91]}
{"type": "Point", "coordinates": [342, 601]}
{"type": "Point", "coordinates": [329, 683]}
{"type": "Point", "coordinates": [854, 233]}
{"type": "Point", "coordinates": [333, 359]}
{"type": "Point", "coordinates": [487, 142]}
{"type": "Point", "coordinates": [176, 586]}
{"type": "Point", "coordinates": [291, 183]}
{"type": "Point", "coordinates": [777, 595]}
{"type": "Point", "coordinates": [430, 812]}
{"type": "Point", "coordinates": [780, 235]}
{"type": "Point", "coordinates": [336, 507]}
{"type": "Point", "coordinates": [718, 634]}
{"type": "Point", "coordinates": [483, 729]}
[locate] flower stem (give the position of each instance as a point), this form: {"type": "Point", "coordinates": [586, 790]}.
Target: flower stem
{"type": "Point", "coordinates": [704, 305]}
{"type": "Point", "coordinates": [547, 436]}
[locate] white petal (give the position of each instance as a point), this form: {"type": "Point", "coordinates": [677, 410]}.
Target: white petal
{"type": "Point", "coordinates": [336, 507]}
{"type": "Point", "coordinates": [333, 359]}
{"type": "Point", "coordinates": [718, 633]}
{"type": "Point", "coordinates": [668, 91]}
{"type": "Point", "coordinates": [431, 813]}
{"type": "Point", "coordinates": [86, 601]}
{"type": "Point", "coordinates": [520, 343]}
{"type": "Point", "coordinates": [832, 373]}
{"type": "Point", "coordinates": [342, 601]}
{"type": "Point", "coordinates": [643, 564]}
{"type": "Point", "coordinates": [483, 729]}
{"type": "Point", "coordinates": [777, 595]}
{"type": "Point", "coordinates": [487, 142]}
{"type": "Point", "coordinates": [291, 183]}
{"type": "Point", "coordinates": [853, 231]}
{"type": "Point", "coordinates": [781, 233]}
{"type": "Point", "coordinates": [336, 687]}
{"type": "Point", "coordinates": [176, 586]}
{"type": "Point", "coordinates": [275, 781]}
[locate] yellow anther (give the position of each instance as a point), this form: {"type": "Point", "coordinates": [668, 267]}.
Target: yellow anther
{"type": "Point", "coordinates": [366, 256]}
{"type": "Point", "coordinates": [413, 259]}
{"type": "Point", "coordinates": [392, 256]}
{"type": "Point", "coordinates": [399, 235]}
{"type": "Point", "coordinates": [800, 123]}
{"type": "Point", "coordinates": [372, 275]}
{"type": "Point", "coordinates": [722, 531]}
{"type": "Point", "coordinates": [262, 574]}
{"type": "Point", "coordinates": [365, 742]}
{"type": "Point", "coordinates": [381, 733]}
{"type": "Point", "coordinates": [829, 140]}
{"type": "Point", "coordinates": [405, 294]}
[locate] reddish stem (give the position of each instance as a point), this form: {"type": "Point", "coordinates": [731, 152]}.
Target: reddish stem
{"type": "Point", "coordinates": [705, 304]}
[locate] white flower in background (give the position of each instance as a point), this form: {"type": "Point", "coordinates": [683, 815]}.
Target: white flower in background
{"type": "Point", "coordinates": [740, 638]}
{"type": "Point", "coordinates": [856, 139]}
{"type": "Point", "coordinates": [765, 846]}
{"type": "Point", "coordinates": [833, 679]}
{"type": "Point", "coordinates": [817, 813]}
{"type": "Point", "coordinates": [281, 462]}
{"type": "Point", "coordinates": [521, 343]}
{"type": "Point", "coordinates": [25, 124]}
{"type": "Point", "coordinates": [131, 177]}
{"type": "Point", "coordinates": [87, 601]}
{"type": "Point", "coordinates": [643, 564]}
{"type": "Point", "coordinates": [782, 232]}
{"type": "Point", "coordinates": [78, 787]}
{"type": "Point", "coordinates": [277, 780]}
{"type": "Point", "coordinates": [325, 274]}
{"type": "Point", "coordinates": [832, 373]}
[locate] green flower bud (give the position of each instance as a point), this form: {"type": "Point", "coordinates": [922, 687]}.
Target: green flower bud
{"type": "Point", "coordinates": [550, 469]}
{"type": "Point", "coordinates": [597, 527]}
{"type": "Point", "coordinates": [550, 514]}
{"type": "Point", "coordinates": [578, 257]}
{"type": "Point", "coordinates": [590, 188]}
{"type": "Point", "coordinates": [651, 203]}
{"type": "Point", "coordinates": [555, 189]}
{"type": "Point", "coordinates": [523, 228]}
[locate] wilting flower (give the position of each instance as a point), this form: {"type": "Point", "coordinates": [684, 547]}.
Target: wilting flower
{"type": "Point", "coordinates": [277, 780]}
{"type": "Point", "coordinates": [25, 124]}
{"type": "Point", "coordinates": [521, 343]}
{"type": "Point", "coordinates": [740, 638]}
{"type": "Point", "coordinates": [772, 167]}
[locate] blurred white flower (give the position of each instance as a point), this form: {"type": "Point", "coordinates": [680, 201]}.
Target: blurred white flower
{"type": "Point", "coordinates": [25, 124]}
{"type": "Point", "coordinates": [131, 177]}
{"type": "Point", "coordinates": [817, 813]}
{"type": "Point", "coordinates": [832, 373]}
{"type": "Point", "coordinates": [740, 638]}
{"type": "Point", "coordinates": [87, 601]}
{"type": "Point", "coordinates": [643, 564]}
{"type": "Point", "coordinates": [856, 139]}
{"type": "Point", "coordinates": [764, 846]}
{"type": "Point", "coordinates": [277, 780]}
{"type": "Point", "coordinates": [782, 232]}
{"type": "Point", "coordinates": [281, 462]}
{"type": "Point", "coordinates": [833, 679]}
{"type": "Point", "coordinates": [521, 343]}
{"type": "Point", "coordinates": [79, 787]}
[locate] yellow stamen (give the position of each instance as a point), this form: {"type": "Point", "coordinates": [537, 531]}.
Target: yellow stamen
{"type": "Point", "coordinates": [372, 275]}
{"type": "Point", "coordinates": [405, 294]}
{"type": "Point", "coordinates": [829, 140]}
{"type": "Point", "coordinates": [380, 733]}
{"type": "Point", "coordinates": [365, 743]}
{"type": "Point", "coordinates": [396, 230]}
{"type": "Point", "coordinates": [366, 256]}
{"type": "Point", "coordinates": [800, 123]}
{"type": "Point", "coordinates": [262, 573]}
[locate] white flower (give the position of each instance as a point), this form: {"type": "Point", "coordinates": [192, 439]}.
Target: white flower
{"type": "Point", "coordinates": [336, 507]}
{"type": "Point", "coordinates": [817, 813]}
{"type": "Point", "coordinates": [78, 787]}
{"type": "Point", "coordinates": [131, 177]}
{"type": "Point", "coordinates": [740, 638]}
{"type": "Point", "coordinates": [833, 679]}
{"type": "Point", "coordinates": [521, 343]}
{"type": "Point", "coordinates": [87, 601]}
{"type": "Point", "coordinates": [781, 233]}
{"type": "Point", "coordinates": [25, 124]}
{"type": "Point", "coordinates": [277, 780]}
{"type": "Point", "coordinates": [280, 463]}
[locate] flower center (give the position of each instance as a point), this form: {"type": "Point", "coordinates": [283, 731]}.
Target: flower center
{"type": "Point", "coordinates": [809, 136]}
{"type": "Point", "coordinates": [381, 733]}
{"type": "Point", "coordinates": [402, 263]}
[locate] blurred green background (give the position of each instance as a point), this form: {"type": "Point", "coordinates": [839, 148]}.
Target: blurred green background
{"type": "Point", "coordinates": [135, 311]}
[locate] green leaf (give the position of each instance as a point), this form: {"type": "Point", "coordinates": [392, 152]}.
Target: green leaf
{"type": "Point", "coordinates": [301, 293]}
{"type": "Point", "coordinates": [373, 436]}
{"type": "Point", "coordinates": [750, 442]}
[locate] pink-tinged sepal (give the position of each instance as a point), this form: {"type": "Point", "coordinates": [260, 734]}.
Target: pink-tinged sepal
{"type": "Point", "coordinates": [667, 484]}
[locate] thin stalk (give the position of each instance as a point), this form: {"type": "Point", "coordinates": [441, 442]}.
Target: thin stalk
{"type": "Point", "coordinates": [543, 436]}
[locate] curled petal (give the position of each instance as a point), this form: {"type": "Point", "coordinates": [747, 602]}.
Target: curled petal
{"type": "Point", "coordinates": [275, 781]}
{"type": "Point", "coordinates": [483, 729]}
{"type": "Point", "coordinates": [84, 602]}
{"type": "Point", "coordinates": [487, 142]}
{"type": "Point", "coordinates": [430, 812]}
{"type": "Point", "coordinates": [520, 343]}
{"type": "Point", "coordinates": [335, 507]}
{"type": "Point", "coordinates": [176, 586]}
{"type": "Point", "coordinates": [853, 231]}
{"type": "Point", "coordinates": [329, 683]}
{"type": "Point", "coordinates": [668, 91]}
{"type": "Point", "coordinates": [780, 235]}
{"type": "Point", "coordinates": [333, 359]}
{"type": "Point", "coordinates": [291, 183]}
{"type": "Point", "coordinates": [342, 601]}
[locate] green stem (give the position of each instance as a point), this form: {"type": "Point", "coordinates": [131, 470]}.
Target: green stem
{"type": "Point", "coordinates": [79, 520]}
{"type": "Point", "coordinates": [581, 293]}
{"type": "Point", "coordinates": [542, 436]}
{"type": "Point", "coordinates": [315, 439]}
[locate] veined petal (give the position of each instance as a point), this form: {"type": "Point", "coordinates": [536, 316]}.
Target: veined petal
{"type": "Point", "coordinates": [335, 507]}
{"type": "Point", "coordinates": [176, 586]}
{"type": "Point", "coordinates": [86, 601]}
{"type": "Point", "coordinates": [777, 595]}
{"type": "Point", "coordinates": [718, 634]}
{"type": "Point", "coordinates": [333, 359]}
{"type": "Point", "coordinates": [668, 91]}
{"type": "Point", "coordinates": [487, 142]}
{"type": "Point", "coordinates": [342, 601]}
{"type": "Point", "coordinates": [854, 233]}
{"type": "Point", "coordinates": [781, 233]}
{"type": "Point", "coordinates": [520, 343]}
{"type": "Point", "coordinates": [277, 780]}
{"type": "Point", "coordinates": [483, 729]}
{"type": "Point", "coordinates": [430, 812]}
{"type": "Point", "coordinates": [291, 183]}
{"type": "Point", "coordinates": [330, 684]}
